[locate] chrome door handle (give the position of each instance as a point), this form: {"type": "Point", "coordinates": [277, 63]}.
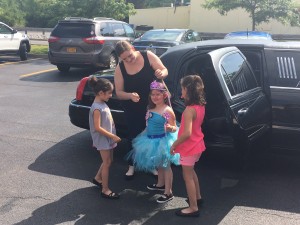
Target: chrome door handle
{"type": "Point", "coordinates": [242, 111]}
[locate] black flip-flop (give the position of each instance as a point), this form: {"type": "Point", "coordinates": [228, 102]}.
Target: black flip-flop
{"type": "Point", "coordinates": [98, 184]}
{"type": "Point", "coordinates": [111, 195]}
{"type": "Point", "coordinates": [192, 214]}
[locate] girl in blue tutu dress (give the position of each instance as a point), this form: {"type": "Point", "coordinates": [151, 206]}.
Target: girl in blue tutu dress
{"type": "Point", "coordinates": [151, 148]}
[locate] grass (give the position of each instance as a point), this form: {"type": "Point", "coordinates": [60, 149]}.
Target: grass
{"type": "Point", "coordinates": [39, 49]}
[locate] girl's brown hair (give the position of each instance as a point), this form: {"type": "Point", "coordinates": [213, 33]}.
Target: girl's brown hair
{"type": "Point", "coordinates": [160, 86]}
{"type": "Point", "coordinates": [100, 84]}
{"type": "Point", "coordinates": [194, 90]}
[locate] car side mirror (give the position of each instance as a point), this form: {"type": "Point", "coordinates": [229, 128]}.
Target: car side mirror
{"type": "Point", "coordinates": [14, 31]}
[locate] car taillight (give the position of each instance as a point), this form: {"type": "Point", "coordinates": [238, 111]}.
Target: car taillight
{"type": "Point", "coordinates": [93, 40]}
{"type": "Point", "coordinates": [52, 39]}
{"type": "Point", "coordinates": [80, 88]}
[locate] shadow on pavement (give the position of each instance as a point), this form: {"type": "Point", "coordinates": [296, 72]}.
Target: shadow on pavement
{"type": "Point", "coordinates": [269, 184]}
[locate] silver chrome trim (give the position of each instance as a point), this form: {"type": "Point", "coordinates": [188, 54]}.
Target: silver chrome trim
{"type": "Point", "coordinates": [285, 128]}
{"type": "Point", "coordinates": [285, 88]}
{"type": "Point", "coordinates": [286, 67]}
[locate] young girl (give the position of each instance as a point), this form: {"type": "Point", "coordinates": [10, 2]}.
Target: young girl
{"type": "Point", "coordinates": [151, 148]}
{"type": "Point", "coordinates": [103, 132]}
{"type": "Point", "coordinates": [190, 143]}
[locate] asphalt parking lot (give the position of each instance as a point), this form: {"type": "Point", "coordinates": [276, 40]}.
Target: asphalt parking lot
{"type": "Point", "coordinates": [47, 164]}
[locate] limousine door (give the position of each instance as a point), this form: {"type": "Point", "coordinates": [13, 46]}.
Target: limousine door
{"type": "Point", "coordinates": [249, 109]}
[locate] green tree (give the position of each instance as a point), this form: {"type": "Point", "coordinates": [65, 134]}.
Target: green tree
{"type": "Point", "coordinates": [138, 4]}
{"type": "Point", "coordinates": [41, 13]}
{"type": "Point", "coordinates": [10, 12]}
{"type": "Point", "coordinates": [284, 11]}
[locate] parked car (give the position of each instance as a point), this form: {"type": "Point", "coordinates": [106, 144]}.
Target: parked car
{"type": "Point", "coordinates": [13, 42]}
{"type": "Point", "coordinates": [252, 89]}
{"type": "Point", "coordinates": [82, 42]}
{"type": "Point", "coordinates": [159, 40]}
{"type": "Point", "coordinates": [249, 35]}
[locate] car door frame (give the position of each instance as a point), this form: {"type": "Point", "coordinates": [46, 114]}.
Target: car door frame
{"type": "Point", "coordinates": [283, 65]}
{"type": "Point", "coordinates": [250, 110]}
{"type": "Point", "coordinates": [9, 41]}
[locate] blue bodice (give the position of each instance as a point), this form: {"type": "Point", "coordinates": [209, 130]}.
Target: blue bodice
{"type": "Point", "coordinates": [156, 124]}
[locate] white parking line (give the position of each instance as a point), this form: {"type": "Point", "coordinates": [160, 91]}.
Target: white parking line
{"type": "Point", "coordinates": [38, 72]}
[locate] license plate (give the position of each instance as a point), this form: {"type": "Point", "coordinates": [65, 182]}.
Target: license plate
{"type": "Point", "coordinates": [71, 50]}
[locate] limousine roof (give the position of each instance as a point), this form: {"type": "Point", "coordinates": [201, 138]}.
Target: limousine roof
{"type": "Point", "coordinates": [219, 43]}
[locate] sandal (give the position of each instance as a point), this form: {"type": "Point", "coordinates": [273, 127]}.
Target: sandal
{"type": "Point", "coordinates": [111, 195]}
{"type": "Point", "coordinates": [98, 184]}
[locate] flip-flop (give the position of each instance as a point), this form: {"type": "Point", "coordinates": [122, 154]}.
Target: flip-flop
{"type": "Point", "coordinates": [192, 214]}
{"type": "Point", "coordinates": [111, 195]}
{"type": "Point", "coordinates": [98, 184]}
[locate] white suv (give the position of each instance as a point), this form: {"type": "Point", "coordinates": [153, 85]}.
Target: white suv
{"type": "Point", "coordinates": [13, 42]}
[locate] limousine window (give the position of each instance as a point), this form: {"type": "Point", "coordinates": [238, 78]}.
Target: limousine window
{"type": "Point", "coordinates": [237, 74]}
{"type": "Point", "coordinates": [283, 67]}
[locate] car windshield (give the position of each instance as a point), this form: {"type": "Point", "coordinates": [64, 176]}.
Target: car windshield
{"type": "Point", "coordinates": [164, 35]}
{"type": "Point", "coordinates": [73, 30]}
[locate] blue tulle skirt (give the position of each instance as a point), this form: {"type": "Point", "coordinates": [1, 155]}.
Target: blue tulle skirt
{"type": "Point", "coordinates": [149, 153]}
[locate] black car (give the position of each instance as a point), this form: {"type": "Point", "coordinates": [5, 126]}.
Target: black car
{"type": "Point", "coordinates": [159, 40]}
{"type": "Point", "coordinates": [252, 89]}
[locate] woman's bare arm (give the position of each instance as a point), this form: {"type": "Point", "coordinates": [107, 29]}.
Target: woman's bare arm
{"type": "Point", "coordinates": [161, 71]}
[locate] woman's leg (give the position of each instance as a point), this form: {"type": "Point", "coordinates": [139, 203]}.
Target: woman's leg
{"type": "Point", "coordinates": [130, 171]}
{"type": "Point", "coordinates": [106, 156]}
{"type": "Point", "coordinates": [188, 176]}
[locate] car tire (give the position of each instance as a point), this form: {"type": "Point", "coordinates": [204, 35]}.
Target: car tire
{"type": "Point", "coordinates": [63, 68]}
{"type": "Point", "coordinates": [23, 52]}
{"type": "Point", "coordinates": [113, 61]}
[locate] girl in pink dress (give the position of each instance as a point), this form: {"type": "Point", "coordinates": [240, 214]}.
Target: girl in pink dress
{"type": "Point", "coordinates": [190, 143]}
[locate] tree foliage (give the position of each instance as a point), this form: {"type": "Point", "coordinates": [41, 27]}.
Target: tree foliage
{"type": "Point", "coordinates": [10, 12]}
{"type": "Point", "coordinates": [41, 13]}
{"type": "Point", "coordinates": [260, 11]}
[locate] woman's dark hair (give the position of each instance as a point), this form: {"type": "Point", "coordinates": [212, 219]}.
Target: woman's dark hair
{"type": "Point", "coordinates": [122, 46]}
{"type": "Point", "coordinates": [194, 90]}
{"type": "Point", "coordinates": [100, 84]}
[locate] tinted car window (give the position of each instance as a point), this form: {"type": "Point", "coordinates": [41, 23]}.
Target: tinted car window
{"type": "Point", "coordinates": [159, 35]}
{"type": "Point", "coordinates": [4, 29]}
{"type": "Point", "coordinates": [190, 37]}
{"type": "Point", "coordinates": [129, 31]}
{"type": "Point", "coordinates": [118, 30]}
{"type": "Point", "coordinates": [73, 30]}
{"type": "Point", "coordinates": [284, 66]}
{"type": "Point", "coordinates": [105, 29]}
{"type": "Point", "coordinates": [237, 75]}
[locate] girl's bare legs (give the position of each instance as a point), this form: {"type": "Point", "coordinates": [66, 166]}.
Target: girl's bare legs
{"type": "Point", "coordinates": [98, 176]}
{"type": "Point", "coordinates": [188, 176]}
{"type": "Point", "coordinates": [160, 177]}
{"type": "Point", "coordinates": [107, 157]}
{"type": "Point", "coordinates": [168, 177]}
{"type": "Point", "coordinates": [197, 185]}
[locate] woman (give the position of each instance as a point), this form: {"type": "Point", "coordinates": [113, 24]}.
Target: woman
{"type": "Point", "coordinates": [133, 76]}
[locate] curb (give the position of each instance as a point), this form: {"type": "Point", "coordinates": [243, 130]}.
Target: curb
{"type": "Point", "coordinates": [43, 56]}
